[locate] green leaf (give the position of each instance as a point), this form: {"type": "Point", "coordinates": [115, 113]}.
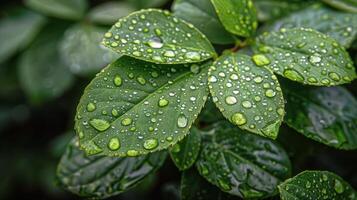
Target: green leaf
{"type": "Point", "coordinates": [82, 51]}
{"type": "Point", "coordinates": [210, 113]}
{"type": "Point", "coordinates": [147, 3]}
{"type": "Point", "coordinates": [237, 16]}
{"type": "Point", "coordinates": [65, 9]}
{"type": "Point", "coordinates": [101, 176]}
{"type": "Point", "coordinates": [17, 31]}
{"type": "Point", "coordinates": [338, 25]}
{"type": "Point", "coordinates": [326, 115]}
{"type": "Point", "coordinates": [43, 76]}
{"type": "Point", "coordinates": [316, 185]}
{"type": "Point", "coordinates": [194, 187]}
{"type": "Point", "coordinates": [108, 13]}
{"type": "Point", "coordinates": [306, 56]}
{"type": "Point", "coordinates": [248, 96]}
{"type": "Point", "coordinates": [133, 107]}
{"type": "Point", "coordinates": [185, 152]}
{"type": "Point", "coordinates": [202, 15]}
{"type": "Point", "coordinates": [346, 5]}
{"type": "Point", "coordinates": [272, 9]}
{"type": "Point", "coordinates": [157, 36]}
{"type": "Point", "coordinates": [242, 164]}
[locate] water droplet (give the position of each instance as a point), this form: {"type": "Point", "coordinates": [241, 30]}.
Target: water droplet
{"type": "Point", "coordinates": [193, 56]}
{"type": "Point", "coordinates": [176, 148]}
{"type": "Point", "coordinates": [239, 119]}
{"type": "Point", "coordinates": [233, 77]}
{"type": "Point", "coordinates": [132, 153]}
{"type": "Point", "coordinates": [230, 100]}
{"type": "Point", "coordinates": [280, 111]}
{"type": "Point", "coordinates": [155, 42]}
{"type": "Point", "coordinates": [150, 144]}
{"type": "Point", "coordinates": [108, 35]}
{"type": "Point", "coordinates": [163, 102]}
{"type": "Point", "coordinates": [308, 185]}
{"type": "Point", "coordinates": [117, 80]}
{"type": "Point", "coordinates": [99, 124]}
{"type": "Point", "coordinates": [169, 54]}
{"type": "Point", "coordinates": [339, 187]}
{"type": "Point", "coordinates": [225, 186]}
{"type": "Point", "coordinates": [293, 75]}
{"type": "Point", "coordinates": [91, 107]}
{"type": "Point", "coordinates": [334, 76]}
{"type": "Point", "coordinates": [315, 59]}
{"type": "Point", "coordinates": [182, 121]}
{"type": "Point", "coordinates": [114, 144]}
{"type": "Point", "coordinates": [258, 79]}
{"type": "Point", "coordinates": [312, 80]}
{"type": "Point", "coordinates": [195, 68]}
{"type": "Point", "coordinates": [158, 32]}
{"type": "Point", "coordinates": [141, 80]}
{"type": "Point", "coordinates": [260, 60]}
{"type": "Point", "coordinates": [246, 104]}
{"type": "Point", "coordinates": [115, 112]}
{"type": "Point", "coordinates": [212, 79]}
{"type": "Point", "coordinates": [270, 93]}
{"type": "Point", "coordinates": [126, 121]}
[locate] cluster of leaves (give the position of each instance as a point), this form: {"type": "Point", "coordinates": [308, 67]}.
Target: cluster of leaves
{"type": "Point", "coordinates": [164, 76]}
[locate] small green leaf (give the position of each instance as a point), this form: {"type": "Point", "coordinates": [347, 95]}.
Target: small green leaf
{"type": "Point", "coordinates": [65, 9]}
{"type": "Point", "coordinates": [242, 164]}
{"type": "Point", "coordinates": [346, 5]}
{"type": "Point", "coordinates": [43, 76]}
{"type": "Point", "coordinates": [147, 3]}
{"type": "Point", "coordinates": [326, 115]}
{"type": "Point", "coordinates": [157, 36]}
{"type": "Point", "coordinates": [237, 16]}
{"type": "Point", "coordinates": [338, 25]}
{"type": "Point", "coordinates": [17, 31]}
{"type": "Point", "coordinates": [141, 107]}
{"type": "Point", "coordinates": [108, 13]}
{"type": "Point", "coordinates": [103, 177]}
{"type": "Point", "coordinates": [82, 51]}
{"type": "Point", "coordinates": [248, 96]}
{"type": "Point", "coordinates": [306, 56]}
{"type": "Point", "coordinates": [202, 15]}
{"type": "Point", "coordinates": [194, 187]}
{"type": "Point", "coordinates": [316, 185]}
{"type": "Point", "coordinates": [185, 152]}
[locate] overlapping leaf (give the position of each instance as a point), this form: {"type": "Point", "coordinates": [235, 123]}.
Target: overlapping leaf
{"type": "Point", "coordinates": [346, 5]}
{"type": "Point", "coordinates": [327, 115]}
{"type": "Point", "coordinates": [185, 152]}
{"type": "Point", "coordinates": [157, 36]}
{"type": "Point", "coordinates": [247, 95]}
{"type": "Point", "coordinates": [242, 164]}
{"type": "Point", "coordinates": [306, 56]}
{"type": "Point", "coordinates": [202, 15]}
{"type": "Point", "coordinates": [147, 3]}
{"type": "Point", "coordinates": [101, 176]}
{"type": "Point", "coordinates": [108, 13]}
{"type": "Point", "coordinates": [237, 16]}
{"type": "Point", "coordinates": [339, 25]}
{"type": "Point", "coordinates": [316, 185]}
{"type": "Point", "coordinates": [134, 107]}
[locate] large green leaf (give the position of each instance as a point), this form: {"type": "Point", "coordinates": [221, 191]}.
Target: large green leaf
{"type": "Point", "coordinates": [147, 3]}
{"type": "Point", "coordinates": [248, 96]}
{"type": "Point", "coordinates": [157, 36]}
{"type": "Point", "coordinates": [237, 16]}
{"type": "Point", "coordinates": [82, 51]}
{"type": "Point", "coordinates": [346, 5]}
{"type": "Point", "coordinates": [43, 76]}
{"type": "Point", "coordinates": [65, 9]}
{"type": "Point", "coordinates": [101, 176]}
{"type": "Point", "coordinates": [202, 15]}
{"type": "Point", "coordinates": [242, 164]}
{"type": "Point", "coordinates": [316, 185]}
{"type": "Point", "coordinates": [185, 152]}
{"type": "Point", "coordinates": [339, 25]}
{"type": "Point", "coordinates": [195, 187]}
{"type": "Point", "coordinates": [134, 107]}
{"type": "Point", "coordinates": [327, 115]}
{"type": "Point", "coordinates": [306, 56]}
{"type": "Point", "coordinates": [108, 13]}
{"type": "Point", "coordinates": [17, 31]}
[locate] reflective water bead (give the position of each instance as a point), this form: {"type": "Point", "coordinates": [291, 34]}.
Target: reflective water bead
{"type": "Point", "coordinates": [114, 144]}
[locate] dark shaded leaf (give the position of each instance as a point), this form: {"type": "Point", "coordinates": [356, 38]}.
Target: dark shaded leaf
{"type": "Point", "coordinates": [346, 5]}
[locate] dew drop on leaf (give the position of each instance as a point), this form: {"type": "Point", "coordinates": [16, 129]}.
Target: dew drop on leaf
{"type": "Point", "coordinates": [99, 124]}
{"type": "Point", "coordinates": [231, 100]}
{"type": "Point", "coordinates": [293, 75]}
{"type": "Point", "coordinates": [182, 121]}
{"type": "Point", "coordinates": [338, 187]}
{"type": "Point", "coordinates": [260, 60]}
{"type": "Point", "coordinates": [126, 121]}
{"type": "Point", "coordinates": [132, 153]}
{"type": "Point", "coordinates": [117, 80]}
{"type": "Point", "coordinates": [270, 93]}
{"type": "Point", "coordinates": [150, 144]}
{"type": "Point", "coordinates": [91, 107]}
{"type": "Point", "coordinates": [155, 42]}
{"type": "Point", "coordinates": [239, 119]}
{"type": "Point", "coordinates": [163, 102]}
{"type": "Point", "coordinates": [114, 144]}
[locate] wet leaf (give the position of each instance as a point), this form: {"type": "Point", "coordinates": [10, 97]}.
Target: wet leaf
{"type": "Point", "coordinates": [316, 185]}
{"type": "Point", "coordinates": [202, 15]}
{"type": "Point", "coordinates": [237, 16]}
{"type": "Point", "coordinates": [101, 176]}
{"type": "Point", "coordinates": [82, 51]}
{"type": "Point", "coordinates": [65, 9]}
{"type": "Point", "coordinates": [242, 164]}
{"type": "Point", "coordinates": [43, 76]}
{"type": "Point", "coordinates": [345, 5]}
{"type": "Point", "coordinates": [339, 25]}
{"type": "Point", "coordinates": [147, 3]}
{"type": "Point", "coordinates": [306, 56]}
{"type": "Point", "coordinates": [194, 187]}
{"type": "Point", "coordinates": [185, 152]}
{"type": "Point", "coordinates": [134, 107]}
{"type": "Point", "coordinates": [17, 31]}
{"type": "Point", "coordinates": [248, 96]}
{"type": "Point", "coordinates": [326, 115]}
{"type": "Point", "coordinates": [157, 36]}
{"type": "Point", "coordinates": [108, 13]}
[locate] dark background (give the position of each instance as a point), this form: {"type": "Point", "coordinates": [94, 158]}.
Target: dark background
{"type": "Point", "coordinates": [33, 138]}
